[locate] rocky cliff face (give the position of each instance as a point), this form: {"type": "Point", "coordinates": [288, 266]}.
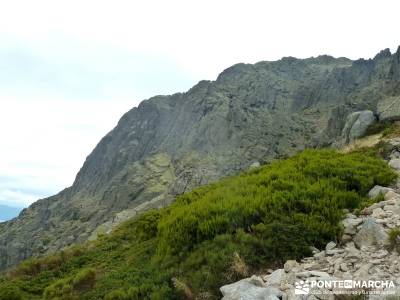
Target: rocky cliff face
{"type": "Point", "coordinates": [169, 144]}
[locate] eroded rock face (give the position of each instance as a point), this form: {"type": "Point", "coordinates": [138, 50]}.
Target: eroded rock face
{"type": "Point", "coordinates": [171, 144]}
{"type": "Point", "coordinates": [389, 109]}
{"type": "Point", "coordinates": [356, 125]}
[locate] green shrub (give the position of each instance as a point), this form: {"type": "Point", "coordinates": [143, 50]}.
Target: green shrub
{"type": "Point", "coordinates": [10, 292]}
{"type": "Point", "coordinates": [84, 280]}
{"type": "Point", "coordinates": [70, 287]}
{"type": "Point", "coordinates": [308, 190]}
{"type": "Point", "coordinates": [394, 239]}
{"type": "Point", "coordinates": [61, 289]}
{"type": "Point", "coordinates": [116, 295]}
{"type": "Point", "coordinates": [30, 267]}
{"type": "Point", "coordinates": [377, 127]}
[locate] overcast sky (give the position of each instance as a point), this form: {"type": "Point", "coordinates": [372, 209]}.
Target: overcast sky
{"type": "Point", "coordinates": [70, 69]}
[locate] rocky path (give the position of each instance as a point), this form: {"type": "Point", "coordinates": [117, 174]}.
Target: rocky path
{"type": "Point", "coordinates": [363, 256]}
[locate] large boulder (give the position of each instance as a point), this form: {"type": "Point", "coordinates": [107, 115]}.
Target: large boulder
{"type": "Point", "coordinates": [356, 125]}
{"type": "Point", "coordinates": [275, 278]}
{"type": "Point", "coordinates": [371, 233]}
{"type": "Point", "coordinates": [389, 109]}
{"type": "Point", "coordinates": [377, 189]}
{"type": "Point", "coordinates": [245, 290]}
{"type": "Point", "coordinates": [395, 163]}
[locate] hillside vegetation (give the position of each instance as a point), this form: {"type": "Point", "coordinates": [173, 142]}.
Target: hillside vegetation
{"type": "Point", "coordinates": [168, 145]}
{"type": "Point", "coordinates": [215, 234]}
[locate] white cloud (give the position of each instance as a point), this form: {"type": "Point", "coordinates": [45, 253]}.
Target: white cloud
{"type": "Point", "coordinates": [16, 198]}
{"type": "Point", "coordinates": [70, 69]}
{"type": "Point", "coordinates": [44, 143]}
{"type": "Point", "coordinates": [207, 36]}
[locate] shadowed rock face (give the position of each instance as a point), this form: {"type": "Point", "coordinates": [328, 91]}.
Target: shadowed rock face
{"type": "Point", "coordinates": [169, 144]}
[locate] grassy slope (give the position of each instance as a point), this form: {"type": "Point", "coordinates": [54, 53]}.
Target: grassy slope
{"type": "Point", "coordinates": [213, 235]}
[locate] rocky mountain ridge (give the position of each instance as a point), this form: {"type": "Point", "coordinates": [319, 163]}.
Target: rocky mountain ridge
{"type": "Point", "coordinates": [251, 114]}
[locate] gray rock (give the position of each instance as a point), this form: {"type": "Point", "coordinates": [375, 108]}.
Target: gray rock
{"type": "Point", "coordinates": [303, 274]}
{"type": "Point", "coordinates": [378, 213]}
{"type": "Point", "coordinates": [371, 233]}
{"type": "Point", "coordinates": [350, 230]}
{"type": "Point", "coordinates": [343, 267]}
{"type": "Point", "coordinates": [320, 254]}
{"type": "Point", "coordinates": [330, 246]}
{"type": "Point", "coordinates": [377, 189]}
{"type": "Point", "coordinates": [380, 254]}
{"type": "Point", "coordinates": [255, 164]}
{"type": "Point", "coordinates": [353, 222]}
{"type": "Point", "coordinates": [395, 154]}
{"type": "Point", "coordinates": [275, 278]}
{"type": "Point", "coordinates": [290, 265]}
{"type": "Point", "coordinates": [356, 125]}
{"type": "Point", "coordinates": [273, 297]}
{"type": "Point", "coordinates": [334, 251]}
{"type": "Point", "coordinates": [244, 290]}
{"type": "Point", "coordinates": [256, 280]}
{"type": "Point", "coordinates": [346, 238]}
{"type": "Point", "coordinates": [389, 109]}
{"type": "Point", "coordinates": [392, 195]}
{"type": "Point", "coordinates": [362, 272]}
{"type": "Point", "coordinates": [395, 163]}
{"type": "Point", "coordinates": [319, 274]}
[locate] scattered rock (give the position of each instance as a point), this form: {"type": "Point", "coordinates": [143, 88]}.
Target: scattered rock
{"type": "Point", "coordinates": [245, 290]}
{"type": "Point", "coordinates": [388, 109]}
{"type": "Point", "coordinates": [256, 280]}
{"type": "Point", "coordinates": [380, 253]}
{"type": "Point", "coordinates": [395, 154]}
{"type": "Point", "coordinates": [319, 274]}
{"type": "Point", "coordinates": [290, 265]}
{"type": "Point", "coordinates": [371, 233]}
{"type": "Point", "coordinates": [378, 213]}
{"type": "Point", "coordinates": [255, 164]}
{"type": "Point", "coordinates": [346, 238]}
{"type": "Point", "coordinates": [377, 189]}
{"type": "Point", "coordinates": [361, 255]}
{"type": "Point", "coordinates": [343, 267]}
{"type": "Point", "coordinates": [275, 278]}
{"type": "Point", "coordinates": [330, 246]}
{"type": "Point", "coordinates": [392, 195]}
{"type": "Point", "coordinates": [395, 163]}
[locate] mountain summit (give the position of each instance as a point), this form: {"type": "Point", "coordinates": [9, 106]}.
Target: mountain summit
{"type": "Point", "coordinates": [252, 114]}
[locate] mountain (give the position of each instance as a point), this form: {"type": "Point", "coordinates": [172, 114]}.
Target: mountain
{"type": "Point", "coordinates": [8, 212]}
{"type": "Point", "coordinates": [251, 114]}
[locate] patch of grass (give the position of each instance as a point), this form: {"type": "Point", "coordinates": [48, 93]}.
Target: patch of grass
{"type": "Point", "coordinates": [377, 127]}
{"type": "Point", "coordinates": [368, 202]}
{"type": "Point", "coordinates": [387, 129]}
{"type": "Point", "coordinates": [212, 235]}
{"type": "Point", "coordinates": [392, 130]}
{"type": "Point", "coordinates": [394, 239]}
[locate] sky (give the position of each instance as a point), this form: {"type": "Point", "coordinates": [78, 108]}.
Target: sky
{"type": "Point", "coordinates": [70, 69]}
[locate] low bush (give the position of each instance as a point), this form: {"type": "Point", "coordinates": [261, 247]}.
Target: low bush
{"type": "Point", "coordinates": [84, 280]}
{"type": "Point", "coordinates": [10, 292]}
